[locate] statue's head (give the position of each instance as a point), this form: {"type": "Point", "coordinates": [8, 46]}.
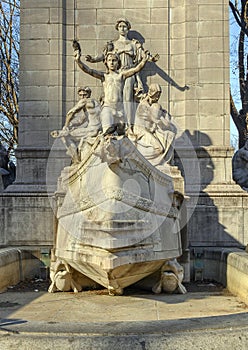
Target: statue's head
{"type": "Point", "coordinates": [122, 20]}
{"type": "Point", "coordinates": [154, 92]}
{"type": "Point", "coordinates": [84, 92]}
{"type": "Point", "coordinates": [112, 58]}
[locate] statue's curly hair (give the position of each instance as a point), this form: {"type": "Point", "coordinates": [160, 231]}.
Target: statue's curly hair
{"type": "Point", "coordinates": [112, 53]}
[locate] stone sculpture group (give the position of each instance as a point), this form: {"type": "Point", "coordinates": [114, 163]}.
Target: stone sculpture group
{"type": "Point", "coordinates": [117, 214]}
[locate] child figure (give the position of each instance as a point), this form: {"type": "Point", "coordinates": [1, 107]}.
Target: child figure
{"type": "Point", "coordinates": [112, 115]}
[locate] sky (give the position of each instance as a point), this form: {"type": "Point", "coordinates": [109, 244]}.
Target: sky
{"type": "Point", "coordinates": [234, 32]}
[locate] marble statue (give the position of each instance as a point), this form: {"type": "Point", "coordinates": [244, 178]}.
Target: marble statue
{"type": "Point", "coordinates": [130, 53]}
{"type": "Point", "coordinates": [77, 126]}
{"type": "Point", "coordinates": [117, 215]}
{"type": "Point", "coordinates": [113, 85]}
{"type": "Point", "coordinates": [7, 169]}
{"type": "Point", "coordinates": [171, 278]}
{"type": "Point", "coordinates": [154, 130]}
{"type": "Point", "coordinates": [240, 166]}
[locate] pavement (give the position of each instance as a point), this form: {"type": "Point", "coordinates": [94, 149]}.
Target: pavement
{"type": "Point", "coordinates": [207, 317]}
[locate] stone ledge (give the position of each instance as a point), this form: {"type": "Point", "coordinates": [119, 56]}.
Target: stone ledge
{"type": "Point", "coordinates": [228, 266]}
{"type": "Point", "coordinates": [237, 275]}
{"type": "Point", "coordinates": [16, 265]}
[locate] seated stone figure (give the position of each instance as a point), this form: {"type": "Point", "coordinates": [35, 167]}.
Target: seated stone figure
{"type": "Point", "coordinates": [154, 132]}
{"type": "Point", "coordinates": [7, 169]}
{"type": "Point", "coordinates": [80, 126]}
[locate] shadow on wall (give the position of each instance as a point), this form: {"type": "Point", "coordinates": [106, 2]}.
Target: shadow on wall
{"type": "Point", "coordinates": [204, 212]}
{"type": "Point", "coordinates": [153, 68]}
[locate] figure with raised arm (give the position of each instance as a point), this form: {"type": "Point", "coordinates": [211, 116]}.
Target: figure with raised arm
{"type": "Point", "coordinates": [130, 53]}
{"type": "Point", "coordinates": [113, 117]}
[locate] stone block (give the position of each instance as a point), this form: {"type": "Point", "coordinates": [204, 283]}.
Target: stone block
{"type": "Point", "coordinates": [191, 14]}
{"type": "Point", "coordinates": [34, 78]}
{"type": "Point", "coordinates": [212, 60]}
{"type": "Point", "coordinates": [56, 16]}
{"type": "Point", "coordinates": [85, 16]}
{"type": "Point", "coordinates": [159, 15]}
{"type": "Point", "coordinates": [39, 62]}
{"type": "Point", "coordinates": [191, 108]}
{"type": "Point", "coordinates": [191, 60]}
{"type": "Point", "coordinates": [191, 122]}
{"type": "Point", "coordinates": [54, 77]}
{"type": "Point", "coordinates": [39, 47]}
{"type": "Point", "coordinates": [216, 137]}
{"type": "Point", "coordinates": [159, 46]}
{"type": "Point", "coordinates": [245, 233]}
{"type": "Point", "coordinates": [55, 108]}
{"type": "Point", "coordinates": [210, 122]}
{"type": "Point", "coordinates": [191, 76]}
{"type": "Point", "coordinates": [106, 16]}
{"type": "Point", "coordinates": [177, 108]}
{"type": "Point", "coordinates": [159, 3]}
{"type": "Point", "coordinates": [207, 29]}
{"type": "Point", "coordinates": [118, 4]}
{"type": "Point", "coordinates": [177, 15]}
{"type": "Point", "coordinates": [191, 29]}
{"type": "Point", "coordinates": [70, 16]}
{"type": "Point", "coordinates": [150, 31]}
{"type": "Point", "coordinates": [204, 221]}
{"type": "Point", "coordinates": [136, 4]}
{"type": "Point", "coordinates": [39, 138]}
{"type": "Point", "coordinates": [30, 220]}
{"type": "Point", "coordinates": [176, 30]}
{"type": "Point", "coordinates": [34, 93]}
{"type": "Point", "coordinates": [87, 32]}
{"type": "Point", "coordinates": [210, 91]}
{"type": "Point", "coordinates": [178, 46]}
{"type": "Point", "coordinates": [26, 4]}
{"type": "Point", "coordinates": [213, 2]}
{"type": "Point", "coordinates": [87, 4]}
{"type": "Point", "coordinates": [2, 236]}
{"type": "Point", "coordinates": [213, 11]}
{"type": "Point", "coordinates": [237, 281]}
{"type": "Point", "coordinates": [219, 175]}
{"type": "Point", "coordinates": [34, 107]}
{"type": "Point", "coordinates": [211, 75]}
{"type": "Point", "coordinates": [29, 16]}
{"type": "Point", "coordinates": [35, 31]}
{"type": "Point", "coordinates": [208, 44]}
{"type": "Point", "coordinates": [55, 31]}
{"type": "Point", "coordinates": [56, 46]}
{"type": "Point", "coordinates": [82, 79]}
{"type": "Point", "coordinates": [175, 3]}
{"type": "Point", "coordinates": [31, 123]}
{"type": "Point", "coordinates": [177, 61]}
{"type": "Point", "coordinates": [141, 15]}
{"type": "Point", "coordinates": [211, 108]}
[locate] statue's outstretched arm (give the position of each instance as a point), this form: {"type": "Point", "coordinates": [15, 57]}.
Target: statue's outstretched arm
{"type": "Point", "coordinates": [74, 110]}
{"type": "Point", "coordinates": [95, 73]}
{"type": "Point", "coordinates": [98, 58]}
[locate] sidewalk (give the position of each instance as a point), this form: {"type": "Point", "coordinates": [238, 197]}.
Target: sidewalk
{"type": "Point", "coordinates": [137, 320]}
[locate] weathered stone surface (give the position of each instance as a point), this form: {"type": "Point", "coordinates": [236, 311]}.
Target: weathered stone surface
{"type": "Point", "coordinates": [17, 265]}
{"type": "Point", "coordinates": [190, 50]}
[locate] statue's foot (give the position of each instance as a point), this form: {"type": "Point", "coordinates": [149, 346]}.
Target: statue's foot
{"type": "Point", "coordinates": [115, 291]}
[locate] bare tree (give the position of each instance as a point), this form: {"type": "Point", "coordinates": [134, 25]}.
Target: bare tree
{"type": "Point", "coordinates": [9, 70]}
{"type": "Point", "coordinates": [239, 10]}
